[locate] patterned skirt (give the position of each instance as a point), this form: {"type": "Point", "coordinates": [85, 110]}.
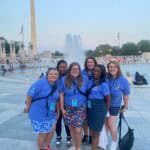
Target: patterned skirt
{"type": "Point", "coordinates": [43, 126]}
{"type": "Point", "coordinates": [75, 116]}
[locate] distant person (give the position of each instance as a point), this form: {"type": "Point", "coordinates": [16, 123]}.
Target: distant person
{"type": "Point", "coordinates": [41, 103]}
{"type": "Point", "coordinates": [89, 64]}
{"type": "Point", "coordinates": [139, 79]}
{"type": "Point", "coordinates": [62, 69]}
{"type": "Point", "coordinates": [129, 78]}
{"type": "Point", "coordinates": [119, 89]}
{"type": "Point", "coordinates": [42, 76]}
{"type": "Point", "coordinates": [3, 70]}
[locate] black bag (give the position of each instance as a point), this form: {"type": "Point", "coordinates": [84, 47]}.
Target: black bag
{"type": "Point", "coordinates": [125, 142]}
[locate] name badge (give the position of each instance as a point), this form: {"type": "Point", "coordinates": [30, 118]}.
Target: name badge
{"type": "Point", "coordinates": [52, 107]}
{"type": "Point", "coordinates": [89, 105]}
{"type": "Point", "coordinates": [74, 102]}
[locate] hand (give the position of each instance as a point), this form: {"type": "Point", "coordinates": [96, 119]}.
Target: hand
{"type": "Point", "coordinates": [64, 112]}
{"type": "Point", "coordinates": [124, 108]}
{"type": "Point", "coordinates": [26, 109]}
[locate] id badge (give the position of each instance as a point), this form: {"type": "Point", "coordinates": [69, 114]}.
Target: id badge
{"type": "Point", "coordinates": [52, 106]}
{"type": "Point", "coordinates": [74, 102]}
{"type": "Point", "coordinates": [89, 105]}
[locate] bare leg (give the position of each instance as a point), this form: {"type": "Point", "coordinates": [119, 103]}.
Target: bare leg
{"type": "Point", "coordinates": [78, 137]}
{"type": "Point", "coordinates": [72, 135]}
{"type": "Point", "coordinates": [85, 129]}
{"type": "Point", "coordinates": [95, 140]}
{"type": "Point", "coordinates": [41, 140]}
{"type": "Point", "coordinates": [49, 136]}
{"type": "Point", "coordinates": [112, 127]}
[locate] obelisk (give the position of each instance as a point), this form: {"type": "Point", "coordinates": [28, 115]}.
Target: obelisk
{"type": "Point", "coordinates": [33, 29]}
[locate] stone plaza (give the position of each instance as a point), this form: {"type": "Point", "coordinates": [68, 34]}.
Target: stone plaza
{"type": "Point", "coordinates": [16, 132]}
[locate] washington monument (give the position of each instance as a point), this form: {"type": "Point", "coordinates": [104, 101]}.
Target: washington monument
{"type": "Point", "coordinates": [33, 29]}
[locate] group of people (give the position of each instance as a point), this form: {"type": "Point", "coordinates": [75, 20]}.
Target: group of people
{"type": "Point", "coordinates": [81, 98]}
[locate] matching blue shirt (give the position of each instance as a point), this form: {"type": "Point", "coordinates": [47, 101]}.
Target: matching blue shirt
{"type": "Point", "coordinates": [41, 110]}
{"type": "Point", "coordinates": [88, 75]}
{"type": "Point", "coordinates": [72, 96]}
{"type": "Point", "coordinates": [98, 92]}
{"type": "Point", "coordinates": [118, 87]}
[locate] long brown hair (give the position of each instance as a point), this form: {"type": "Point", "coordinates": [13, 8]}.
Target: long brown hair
{"type": "Point", "coordinates": [69, 79]}
{"type": "Point", "coordinates": [118, 66]}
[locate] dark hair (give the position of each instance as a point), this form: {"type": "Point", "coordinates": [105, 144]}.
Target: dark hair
{"type": "Point", "coordinates": [60, 62]}
{"type": "Point", "coordinates": [86, 60]}
{"type": "Point", "coordinates": [49, 69]}
{"type": "Point", "coordinates": [69, 80]}
{"type": "Point", "coordinates": [103, 72]}
{"type": "Point", "coordinates": [118, 66]}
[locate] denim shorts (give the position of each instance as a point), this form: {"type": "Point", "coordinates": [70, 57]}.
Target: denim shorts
{"type": "Point", "coordinates": [114, 111]}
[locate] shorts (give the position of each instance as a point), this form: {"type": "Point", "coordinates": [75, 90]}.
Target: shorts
{"type": "Point", "coordinates": [114, 111]}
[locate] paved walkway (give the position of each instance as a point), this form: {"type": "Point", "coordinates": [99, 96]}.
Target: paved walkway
{"type": "Point", "coordinates": [16, 132]}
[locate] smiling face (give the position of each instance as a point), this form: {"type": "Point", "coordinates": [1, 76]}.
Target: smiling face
{"type": "Point", "coordinates": [113, 69]}
{"type": "Point", "coordinates": [97, 73]}
{"type": "Point", "coordinates": [52, 75]}
{"type": "Point", "coordinates": [90, 64]}
{"type": "Point", "coordinates": [62, 68]}
{"type": "Point", "coordinates": [75, 71]}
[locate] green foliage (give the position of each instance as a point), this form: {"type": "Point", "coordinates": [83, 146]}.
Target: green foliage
{"type": "Point", "coordinates": [103, 49]}
{"type": "Point", "coordinates": [7, 47]}
{"type": "Point", "coordinates": [144, 46]}
{"type": "Point", "coordinates": [129, 49]}
{"type": "Point", "coordinates": [16, 47]}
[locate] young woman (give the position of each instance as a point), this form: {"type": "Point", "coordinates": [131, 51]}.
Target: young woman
{"type": "Point", "coordinates": [62, 69]}
{"type": "Point", "coordinates": [119, 88]}
{"type": "Point", "coordinates": [41, 103]}
{"type": "Point", "coordinates": [73, 103]}
{"type": "Point", "coordinates": [98, 103]}
{"type": "Point", "coordinates": [89, 65]}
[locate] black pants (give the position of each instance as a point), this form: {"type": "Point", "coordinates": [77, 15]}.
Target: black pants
{"type": "Point", "coordinates": [59, 126]}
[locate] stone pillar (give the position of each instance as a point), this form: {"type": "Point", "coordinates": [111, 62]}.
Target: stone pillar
{"type": "Point", "coordinates": [33, 28]}
{"type": "Point", "coordinates": [2, 50]}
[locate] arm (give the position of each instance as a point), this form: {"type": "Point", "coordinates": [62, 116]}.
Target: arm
{"type": "Point", "coordinates": [62, 104]}
{"type": "Point", "coordinates": [28, 103]}
{"type": "Point", "coordinates": [107, 101]}
{"type": "Point", "coordinates": [125, 106]}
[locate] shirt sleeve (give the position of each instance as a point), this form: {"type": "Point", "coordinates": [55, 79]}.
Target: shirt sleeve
{"type": "Point", "coordinates": [33, 90]}
{"type": "Point", "coordinates": [126, 87]}
{"type": "Point", "coordinates": [61, 85]}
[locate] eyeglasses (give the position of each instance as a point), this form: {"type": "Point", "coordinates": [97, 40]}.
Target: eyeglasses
{"type": "Point", "coordinates": [75, 69]}
{"type": "Point", "coordinates": [112, 67]}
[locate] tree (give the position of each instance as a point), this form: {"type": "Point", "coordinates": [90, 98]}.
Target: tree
{"type": "Point", "coordinates": [143, 46]}
{"type": "Point", "coordinates": [103, 49]}
{"type": "Point", "coordinates": [90, 53]}
{"type": "Point", "coordinates": [130, 49]}
{"type": "Point", "coordinates": [116, 51]}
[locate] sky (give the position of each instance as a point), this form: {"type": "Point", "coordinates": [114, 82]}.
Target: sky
{"type": "Point", "coordinates": [96, 21]}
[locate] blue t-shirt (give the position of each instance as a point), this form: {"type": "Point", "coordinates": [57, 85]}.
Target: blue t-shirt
{"type": "Point", "coordinates": [59, 85]}
{"type": "Point", "coordinates": [72, 96]}
{"type": "Point", "coordinates": [44, 108]}
{"type": "Point", "coordinates": [118, 87]}
{"type": "Point", "coordinates": [88, 75]}
{"type": "Point", "coordinates": [99, 91]}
